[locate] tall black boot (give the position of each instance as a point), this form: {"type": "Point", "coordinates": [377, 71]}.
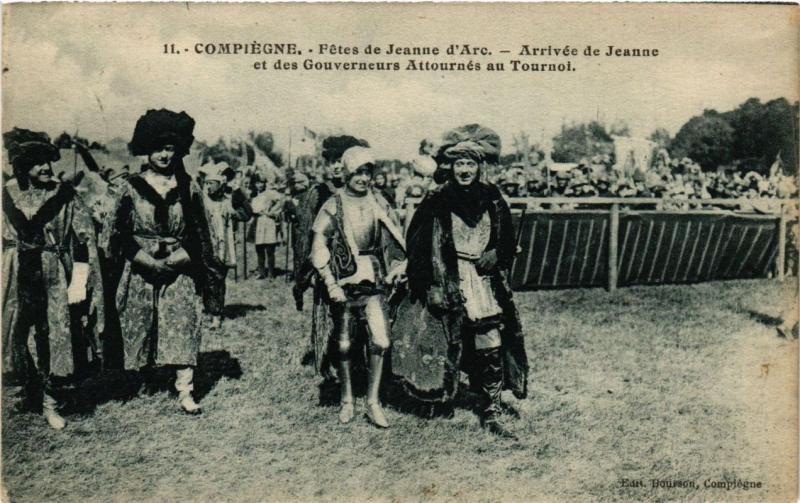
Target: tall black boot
{"type": "Point", "coordinates": [489, 364]}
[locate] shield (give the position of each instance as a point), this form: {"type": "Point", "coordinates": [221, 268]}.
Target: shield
{"type": "Point", "coordinates": [422, 356]}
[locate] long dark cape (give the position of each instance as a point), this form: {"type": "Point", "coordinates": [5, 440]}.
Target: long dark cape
{"type": "Point", "coordinates": [433, 263]}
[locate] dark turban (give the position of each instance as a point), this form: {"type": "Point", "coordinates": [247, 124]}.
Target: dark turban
{"type": "Point", "coordinates": [29, 148]}
{"type": "Point", "coordinates": [334, 146]}
{"type": "Point", "coordinates": [487, 140]}
{"type": "Point", "coordinates": [162, 127]}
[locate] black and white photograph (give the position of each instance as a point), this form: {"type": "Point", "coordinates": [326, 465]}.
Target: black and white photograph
{"type": "Point", "coordinates": [399, 252]}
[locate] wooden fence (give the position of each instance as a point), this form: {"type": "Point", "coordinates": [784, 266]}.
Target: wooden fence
{"type": "Point", "coordinates": [611, 243]}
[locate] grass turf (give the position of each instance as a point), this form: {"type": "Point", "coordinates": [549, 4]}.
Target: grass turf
{"type": "Point", "coordinates": [674, 382]}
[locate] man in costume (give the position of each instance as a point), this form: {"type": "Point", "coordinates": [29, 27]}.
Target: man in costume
{"type": "Point", "coordinates": [224, 211]}
{"type": "Point", "coordinates": [460, 313]}
{"type": "Point", "coordinates": [332, 149]}
{"type": "Point", "coordinates": [51, 275]}
{"type": "Point", "coordinates": [164, 260]}
{"type": "Point", "coordinates": [358, 250]}
{"type": "Point", "coordinates": [268, 209]}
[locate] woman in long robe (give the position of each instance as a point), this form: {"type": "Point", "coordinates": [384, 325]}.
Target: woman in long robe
{"type": "Point", "coordinates": [166, 267]}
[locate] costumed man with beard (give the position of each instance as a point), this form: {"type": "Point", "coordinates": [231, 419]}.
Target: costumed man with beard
{"type": "Point", "coordinates": [165, 267]}
{"type": "Point", "coordinates": [332, 149]}
{"type": "Point", "coordinates": [358, 251]}
{"type": "Point", "coordinates": [51, 274]}
{"type": "Point", "coordinates": [460, 313]}
{"type": "Point", "coordinates": [224, 211]}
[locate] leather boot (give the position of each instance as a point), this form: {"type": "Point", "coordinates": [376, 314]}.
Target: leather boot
{"type": "Point", "coordinates": [346, 402]}
{"type": "Point", "coordinates": [50, 413]}
{"type": "Point", "coordinates": [490, 368]}
{"type": "Point", "coordinates": [374, 410]}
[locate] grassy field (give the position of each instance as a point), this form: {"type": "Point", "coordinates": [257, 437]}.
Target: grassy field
{"type": "Point", "coordinates": [671, 383]}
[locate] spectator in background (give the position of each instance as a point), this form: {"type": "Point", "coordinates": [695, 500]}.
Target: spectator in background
{"type": "Point", "coordinates": [380, 183]}
{"type": "Point", "coordinates": [268, 208]}
{"type": "Point", "coordinates": [224, 211]}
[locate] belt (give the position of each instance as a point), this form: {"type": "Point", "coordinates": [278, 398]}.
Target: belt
{"type": "Point", "coordinates": [24, 246]}
{"type": "Point", "coordinates": [467, 256]}
{"type": "Point", "coordinates": [161, 239]}
{"type": "Point", "coordinates": [370, 251]}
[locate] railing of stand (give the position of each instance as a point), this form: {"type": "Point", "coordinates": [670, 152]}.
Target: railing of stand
{"type": "Point", "coordinates": [611, 242]}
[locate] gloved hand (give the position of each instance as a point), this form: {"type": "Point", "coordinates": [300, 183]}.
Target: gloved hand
{"type": "Point", "coordinates": [178, 260]}
{"type": "Point", "coordinates": [487, 262]}
{"type": "Point", "coordinates": [153, 270]}
{"type": "Point", "coordinates": [336, 293]}
{"type": "Point", "coordinates": [76, 292]}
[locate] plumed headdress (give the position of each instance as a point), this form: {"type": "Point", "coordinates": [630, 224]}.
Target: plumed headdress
{"type": "Point", "coordinates": [29, 148]}
{"type": "Point", "coordinates": [334, 146]}
{"type": "Point", "coordinates": [472, 139]}
{"type": "Point", "coordinates": [162, 127]}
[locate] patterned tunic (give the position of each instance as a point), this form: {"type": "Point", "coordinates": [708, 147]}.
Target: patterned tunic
{"type": "Point", "coordinates": [44, 233]}
{"type": "Point", "coordinates": [160, 321]}
{"type": "Point", "coordinates": [479, 299]}
{"type": "Point", "coordinates": [222, 215]}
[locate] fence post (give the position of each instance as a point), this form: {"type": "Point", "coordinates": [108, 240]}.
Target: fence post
{"type": "Point", "coordinates": [613, 243]}
{"type": "Point", "coordinates": [235, 267]}
{"type": "Point", "coordinates": [781, 244]}
{"type": "Point", "coordinates": [244, 250]}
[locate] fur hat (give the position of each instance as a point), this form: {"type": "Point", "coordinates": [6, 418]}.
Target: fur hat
{"type": "Point", "coordinates": [334, 146]}
{"type": "Point", "coordinates": [29, 148]}
{"type": "Point", "coordinates": [162, 127]}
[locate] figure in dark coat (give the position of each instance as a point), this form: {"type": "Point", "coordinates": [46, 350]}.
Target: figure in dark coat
{"type": "Point", "coordinates": [52, 292]}
{"type": "Point", "coordinates": [460, 313]}
{"type": "Point", "coordinates": [161, 247]}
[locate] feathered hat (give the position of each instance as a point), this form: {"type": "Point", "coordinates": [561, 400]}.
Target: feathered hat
{"type": "Point", "coordinates": [162, 127]}
{"type": "Point", "coordinates": [29, 148]}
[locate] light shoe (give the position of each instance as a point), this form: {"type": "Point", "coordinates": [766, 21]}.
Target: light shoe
{"type": "Point", "coordinates": [50, 413]}
{"type": "Point", "coordinates": [346, 412]}
{"type": "Point", "coordinates": [376, 416]}
{"type": "Point", "coordinates": [188, 405]}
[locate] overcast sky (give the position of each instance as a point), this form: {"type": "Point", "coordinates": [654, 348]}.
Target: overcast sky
{"type": "Point", "coordinates": [97, 68]}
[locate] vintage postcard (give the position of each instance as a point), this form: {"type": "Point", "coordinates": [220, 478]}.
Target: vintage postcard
{"type": "Point", "coordinates": [399, 252]}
